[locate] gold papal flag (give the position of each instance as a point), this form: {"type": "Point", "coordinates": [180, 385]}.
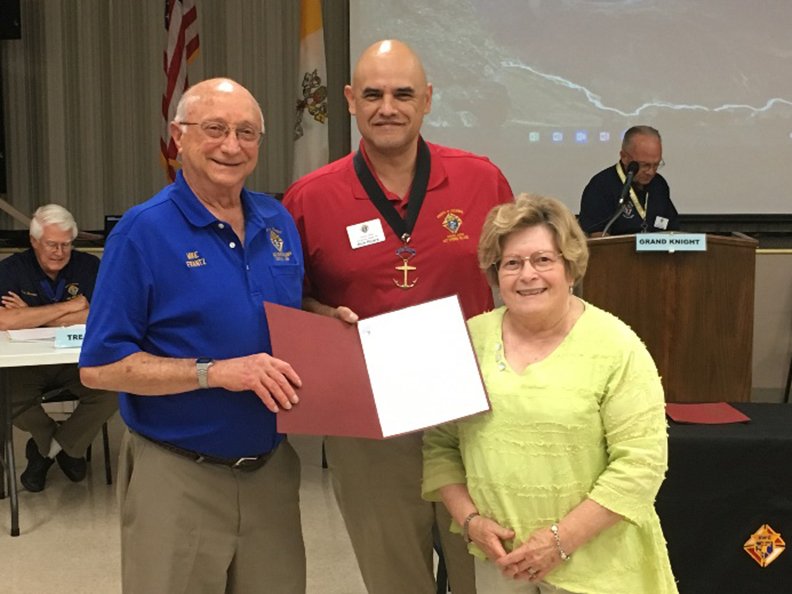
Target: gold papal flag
{"type": "Point", "coordinates": [310, 129]}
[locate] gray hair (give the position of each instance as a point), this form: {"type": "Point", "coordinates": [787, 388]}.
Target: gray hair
{"type": "Point", "coordinates": [639, 131]}
{"type": "Point", "coordinates": [52, 214]}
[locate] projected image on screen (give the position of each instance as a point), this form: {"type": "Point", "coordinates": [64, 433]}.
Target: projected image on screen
{"type": "Point", "coordinates": [546, 89]}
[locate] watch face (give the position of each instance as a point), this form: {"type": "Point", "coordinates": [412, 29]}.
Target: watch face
{"type": "Point", "coordinates": [204, 360]}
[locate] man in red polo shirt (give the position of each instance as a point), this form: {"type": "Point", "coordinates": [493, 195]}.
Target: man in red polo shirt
{"type": "Point", "coordinates": [394, 225]}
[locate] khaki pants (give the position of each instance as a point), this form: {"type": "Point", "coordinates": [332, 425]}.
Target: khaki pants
{"type": "Point", "coordinates": [489, 579]}
{"type": "Point", "coordinates": [378, 488]}
{"type": "Point", "coordinates": [77, 432]}
{"type": "Point", "coordinates": [190, 528]}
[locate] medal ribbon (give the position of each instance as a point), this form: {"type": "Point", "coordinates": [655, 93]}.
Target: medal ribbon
{"type": "Point", "coordinates": [56, 295]}
{"type": "Point", "coordinates": [401, 227]}
{"type": "Point", "coordinates": [633, 196]}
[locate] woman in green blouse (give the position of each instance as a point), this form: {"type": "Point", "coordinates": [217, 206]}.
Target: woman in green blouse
{"type": "Point", "coordinates": [554, 489]}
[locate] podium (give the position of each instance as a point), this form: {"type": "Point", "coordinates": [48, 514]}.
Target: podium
{"type": "Point", "coordinates": [693, 310]}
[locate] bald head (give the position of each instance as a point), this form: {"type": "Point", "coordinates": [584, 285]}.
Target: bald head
{"type": "Point", "coordinates": [209, 89]}
{"type": "Point", "coordinates": [389, 97]}
{"type": "Point", "coordinates": [387, 54]}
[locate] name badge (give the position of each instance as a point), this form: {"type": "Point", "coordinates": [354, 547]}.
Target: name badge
{"type": "Point", "coordinates": [69, 336]}
{"type": "Point", "coordinates": [367, 233]}
{"type": "Point", "coordinates": [661, 223]}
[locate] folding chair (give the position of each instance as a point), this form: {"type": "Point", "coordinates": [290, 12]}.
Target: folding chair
{"type": "Point", "coordinates": [9, 484]}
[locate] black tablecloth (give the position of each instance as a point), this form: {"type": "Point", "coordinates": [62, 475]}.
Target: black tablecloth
{"type": "Point", "coordinates": [723, 483]}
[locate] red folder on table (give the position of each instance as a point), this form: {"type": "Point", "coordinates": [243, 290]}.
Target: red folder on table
{"type": "Point", "coordinates": [390, 374]}
{"type": "Point", "coordinates": [704, 413]}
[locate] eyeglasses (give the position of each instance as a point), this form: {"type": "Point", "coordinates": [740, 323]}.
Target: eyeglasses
{"type": "Point", "coordinates": [647, 166]}
{"type": "Point", "coordinates": [246, 135]}
{"type": "Point", "coordinates": [541, 261]}
{"type": "Point", "coordinates": [53, 246]}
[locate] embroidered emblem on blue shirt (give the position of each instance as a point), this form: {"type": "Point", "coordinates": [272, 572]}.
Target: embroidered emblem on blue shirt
{"type": "Point", "coordinates": [194, 260]}
{"type": "Point", "coordinates": [277, 242]}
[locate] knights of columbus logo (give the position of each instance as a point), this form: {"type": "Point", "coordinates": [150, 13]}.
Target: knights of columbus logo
{"type": "Point", "coordinates": [277, 242]}
{"type": "Point", "coordinates": [275, 239]}
{"type": "Point", "coordinates": [765, 545]}
{"type": "Point", "coordinates": [452, 221]}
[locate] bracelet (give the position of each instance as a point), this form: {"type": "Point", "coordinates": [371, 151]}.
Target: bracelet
{"type": "Point", "coordinates": [561, 552]}
{"type": "Point", "coordinates": [466, 526]}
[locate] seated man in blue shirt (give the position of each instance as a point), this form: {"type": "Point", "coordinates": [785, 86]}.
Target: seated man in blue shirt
{"type": "Point", "coordinates": [647, 207]}
{"type": "Point", "coordinates": [51, 285]}
{"type": "Point", "coordinates": [208, 489]}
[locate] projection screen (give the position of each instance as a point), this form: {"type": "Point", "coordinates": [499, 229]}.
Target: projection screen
{"type": "Point", "coordinates": [546, 89]}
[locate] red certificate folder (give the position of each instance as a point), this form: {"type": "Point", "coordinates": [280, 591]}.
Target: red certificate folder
{"type": "Point", "coordinates": [384, 384]}
{"type": "Point", "coordinates": [706, 413]}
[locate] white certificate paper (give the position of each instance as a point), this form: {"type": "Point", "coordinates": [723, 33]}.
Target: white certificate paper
{"type": "Point", "coordinates": [421, 366]}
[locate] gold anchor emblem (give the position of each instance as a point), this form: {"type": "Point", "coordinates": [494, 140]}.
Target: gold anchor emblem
{"type": "Point", "coordinates": [405, 253]}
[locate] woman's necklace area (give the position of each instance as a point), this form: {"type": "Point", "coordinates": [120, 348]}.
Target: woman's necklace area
{"type": "Point", "coordinates": [543, 346]}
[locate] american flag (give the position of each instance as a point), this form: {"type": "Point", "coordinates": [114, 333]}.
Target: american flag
{"type": "Point", "coordinates": [181, 28]}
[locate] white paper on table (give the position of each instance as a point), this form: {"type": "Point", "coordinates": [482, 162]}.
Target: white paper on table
{"type": "Point", "coordinates": [421, 365]}
{"type": "Point", "coordinates": [32, 334]}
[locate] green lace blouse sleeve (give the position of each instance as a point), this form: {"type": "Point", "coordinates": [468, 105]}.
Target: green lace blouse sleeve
{"type": "Point", "coordinates": [633, 417]}
{"type": "Point", "coordinates": [442, 460]}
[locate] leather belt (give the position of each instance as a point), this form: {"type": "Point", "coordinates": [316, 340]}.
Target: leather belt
{"type": "Point", "coordinates": [245, 463]}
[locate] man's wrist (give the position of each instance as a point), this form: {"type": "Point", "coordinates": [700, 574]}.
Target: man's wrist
{"type": "Point", "coordinates": [202, 365]}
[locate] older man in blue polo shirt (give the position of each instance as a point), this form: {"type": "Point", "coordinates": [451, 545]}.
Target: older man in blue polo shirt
{"type": "Point", "coordinates": [208, 489]}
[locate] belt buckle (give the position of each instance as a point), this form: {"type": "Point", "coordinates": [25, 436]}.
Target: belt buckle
{"type": "Point", "coordinates": [243, 461]}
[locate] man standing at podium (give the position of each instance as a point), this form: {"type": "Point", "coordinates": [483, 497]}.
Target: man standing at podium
{"type": "Point", "coordinates": [646, 206]}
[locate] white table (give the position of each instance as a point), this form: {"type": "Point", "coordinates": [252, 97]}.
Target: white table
{"type": "Point", "coordinates": [22, 354]}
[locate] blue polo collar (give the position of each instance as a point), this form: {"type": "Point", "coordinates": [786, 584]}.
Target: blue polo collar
{"type": "Point", "coordinates": [199, 216]}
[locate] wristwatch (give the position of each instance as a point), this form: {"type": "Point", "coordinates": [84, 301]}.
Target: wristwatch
{"type": "Point", "coordinates": [202, 365]}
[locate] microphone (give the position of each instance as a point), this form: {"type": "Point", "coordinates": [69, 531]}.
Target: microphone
{"type": "Point", "coordinates": [632, 169]}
